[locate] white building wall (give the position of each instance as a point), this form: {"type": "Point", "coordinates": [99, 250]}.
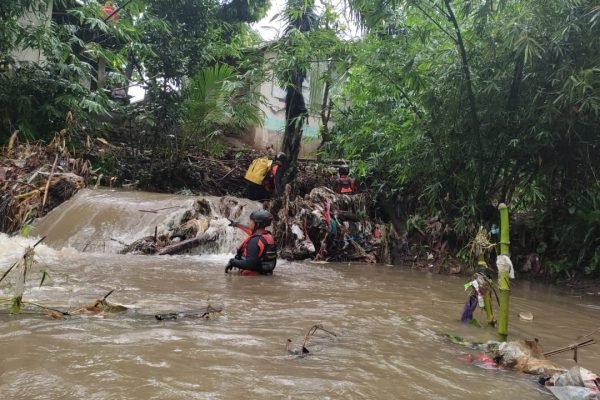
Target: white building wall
{"type": "Point", "coordinates": [272, 130]}
{"type": "Point", "coordinates": [29, 55]}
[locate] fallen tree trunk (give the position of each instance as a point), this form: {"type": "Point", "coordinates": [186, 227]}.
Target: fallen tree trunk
{"type": "Point", "coordinates": [178, 248]}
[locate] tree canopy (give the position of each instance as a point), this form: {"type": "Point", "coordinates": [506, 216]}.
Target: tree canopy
{"type": "Point", "coordinates": [443, 108]}
{"type": "Point", "coordinates": [464, 104]}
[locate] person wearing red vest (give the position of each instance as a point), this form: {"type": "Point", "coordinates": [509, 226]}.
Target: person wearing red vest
{"type": "Point", "coordinates": [273, 182]}
{"type": "Point", "coordinates": [108, 11]}
{"type": "Point", "coordinates": [344, 184]}
{"type": "Point", "coordinates": [258, 253]}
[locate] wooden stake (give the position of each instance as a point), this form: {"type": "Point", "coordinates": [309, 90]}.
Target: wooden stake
{"type": "Point", "coordinates": [48, 185]}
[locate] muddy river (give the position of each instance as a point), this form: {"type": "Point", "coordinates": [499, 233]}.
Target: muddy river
{"type": "Point", "coordinates": [387, 322]}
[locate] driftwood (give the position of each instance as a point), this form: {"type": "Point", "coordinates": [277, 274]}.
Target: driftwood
{"type": "Point", "coordinates": [205, 313]}
{"type": "Point", "coordinates": [188, 244]}
{"type": "Point", "coordinates": [204, 223]}
{"type": "Point", "coordinates": [573, 347]}
{"type": "Point", "coordinates": [100, 306]}
{"type": "Point", "coordinates": [307, 338]}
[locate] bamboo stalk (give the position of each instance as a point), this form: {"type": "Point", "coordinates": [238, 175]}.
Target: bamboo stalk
{"type": "Point", "coordinates": [503, 277]}
{"type": "Point", "coordinates": [19, 183]}
{"type": "Point", "coordinates": [10, 269]}
{"type": "Point", "coordinates": [487, 296]}
{"type": "Point", "coordinates": [158, 209]}
{"type": "Point", "coordinates": [574, 346]}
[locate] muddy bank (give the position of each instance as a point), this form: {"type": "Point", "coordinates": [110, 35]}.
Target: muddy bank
{"type": "Point", "coordinates": [195, 172]}
{"type": "Point", "coordinates": [317, 225]}
{"type": "Point", "coordinates": [36, 178]}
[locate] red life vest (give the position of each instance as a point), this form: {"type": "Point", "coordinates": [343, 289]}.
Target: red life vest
{"type": "Point", "coordinates": [267, 251]}
{"type": "Point", "coordinates": [108, 12]}
{"type": "Point", "coordinates": [345, 185]}
{"type": "Point", "coordinates": [269, 181]}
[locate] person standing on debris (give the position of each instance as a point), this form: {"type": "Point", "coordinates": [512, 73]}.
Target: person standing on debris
{"type": "Point", "coordinates": [273, 182]}
{"type": "Point", "coordinates": [345, 184]}
{"type": "Point", "coordinates": [265, 177]}
{"type": "Point", "coordinates": [258, 253]}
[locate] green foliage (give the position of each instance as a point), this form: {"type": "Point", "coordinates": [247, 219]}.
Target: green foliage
{"type": "Point", "coordinates": [16, 306]}
{"type": "Point", "coordinates": [218, 99]}
{"type": "Point", "coordinates": [464, 104]}
{"type": "Point", "coordinates": [182, 39]}
{"type": "Point", "coordinates": [244, 10]}
{"type": "Point", "coordinates": [61, 82]}
{"type": "Point", "coordinates": [157, 42]}
{"type": "Point", "coordinates": [35, 100]}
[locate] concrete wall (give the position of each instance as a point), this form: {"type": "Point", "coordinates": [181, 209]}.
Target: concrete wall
{"type": "Point", "coordinates": [33, 19]}
{"type": "Point", "coordinates": [271, 132]}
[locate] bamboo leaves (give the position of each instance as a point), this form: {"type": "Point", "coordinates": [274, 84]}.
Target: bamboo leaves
{"type": "Point", "coordinates": [533, 72]}
{"type": "Point", "coordinates": [216, 98]}
{"type": "Point", "coordinates": [22, 268]}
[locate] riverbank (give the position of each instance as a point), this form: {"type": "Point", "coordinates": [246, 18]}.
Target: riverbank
{"type": "Point", "coordinates": [35, 178]}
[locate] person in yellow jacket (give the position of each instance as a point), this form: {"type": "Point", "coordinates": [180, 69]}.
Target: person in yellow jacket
{"type": "Point", "coordinates": [265, 178]}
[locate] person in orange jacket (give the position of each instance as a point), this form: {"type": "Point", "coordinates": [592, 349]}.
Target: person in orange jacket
{"type": "Point", "coordinates": [257, 255]}
{"type": "Point", "coordinates": [273, 182]}
{"type": "Point", "coordinates": [343, 183]}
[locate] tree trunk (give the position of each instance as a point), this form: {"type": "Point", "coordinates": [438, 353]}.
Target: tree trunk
{"type": "Point", "coordinates": [326, 106]}
{"type": "Point", "coordinates": [101, 72]}
{"type": "Point", "coordinates": [295, 114]}
{"type": "Point", "coordinates": [188, 244]}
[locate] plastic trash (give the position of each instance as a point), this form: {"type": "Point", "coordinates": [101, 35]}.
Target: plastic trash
{"type": "Point", "coordinates": [573, 393]}
{"type": "Point", "coordinates": [526, 316]}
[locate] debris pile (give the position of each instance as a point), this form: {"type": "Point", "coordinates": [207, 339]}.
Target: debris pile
{"type": "Point", "coordinates": [36, 178]}
{"type": "Point", "coordinates": [575, 384]}
{"type": "Point", "coordinates": [525, 356]}
{"type": "Point", "coordinates": [310, 335]}
{"type": "Point", "coordinates": [528, 357]}
{"type": "Point", "coordinates": [328, 226]}
{"type": "Point", "coordinates": [311, 174]}
{"type": "Point", "coordinates": [205, 224]}
{"type": "Point", "coordinates": [190, 171]}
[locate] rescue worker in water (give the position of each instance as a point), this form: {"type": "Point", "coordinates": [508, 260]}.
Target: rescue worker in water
{"type": "Point", "coordinates": [258, 253]}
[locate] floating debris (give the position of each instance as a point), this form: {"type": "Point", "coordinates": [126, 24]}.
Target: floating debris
{"type": "Point", "coordinates": [208, 312]}
{"type": "Point", "coordinates": [526, 316]}
{"type": "Point", "coordinates": [303, 351]}
{"type": "Point", "coordinates": [100, 306]}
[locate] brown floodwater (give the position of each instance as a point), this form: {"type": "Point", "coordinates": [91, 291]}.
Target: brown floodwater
{"type": "Point", "coordinates": [387, 322]}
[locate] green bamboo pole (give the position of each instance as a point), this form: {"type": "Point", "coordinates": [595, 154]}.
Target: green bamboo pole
{"type": "Point", "coordinates": [503, 277]}
{"type": "Point", "coordinates": [504, 230]}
